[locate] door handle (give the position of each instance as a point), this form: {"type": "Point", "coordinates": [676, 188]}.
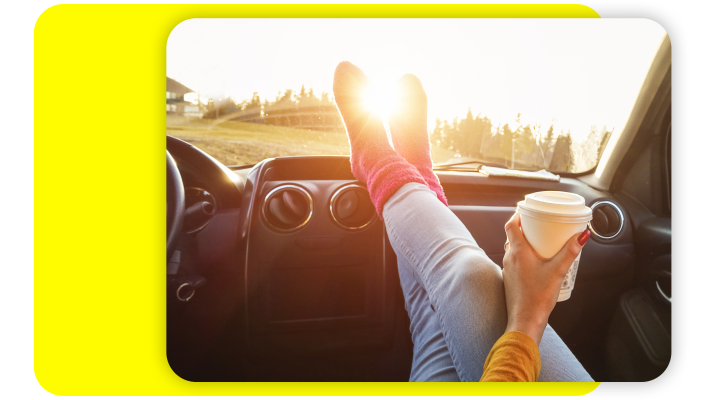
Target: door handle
{"type": "Point", "coordinates": [666, 297]}
{"type": "Point", "coordinates": [663, 284]}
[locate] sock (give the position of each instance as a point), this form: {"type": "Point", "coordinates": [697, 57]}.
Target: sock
{"type": "Point", "coordinates": [408, 126]}
{"type": "Point", "coordinates": [372, 159]}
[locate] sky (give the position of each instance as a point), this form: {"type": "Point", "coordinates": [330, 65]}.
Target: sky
{"type": "Point", "coordinates": [572, 73]}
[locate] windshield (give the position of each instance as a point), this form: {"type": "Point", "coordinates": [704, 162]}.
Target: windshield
{"type": "Point", "coordinates": [526, 94]}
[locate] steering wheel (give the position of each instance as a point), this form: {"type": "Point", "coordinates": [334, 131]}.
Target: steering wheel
{"type": "Point", "coordinates": [175, 200]}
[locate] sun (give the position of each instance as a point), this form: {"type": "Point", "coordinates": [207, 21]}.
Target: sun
{"type": "Point", "coordinates": [381, 98]}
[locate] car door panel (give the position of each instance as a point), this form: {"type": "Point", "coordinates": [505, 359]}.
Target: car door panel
{"type": "Point", "coordinates": [639, 339]}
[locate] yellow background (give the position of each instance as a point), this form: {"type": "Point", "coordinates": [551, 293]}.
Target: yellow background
{"type": "Point", "coordinates": [100, 125]}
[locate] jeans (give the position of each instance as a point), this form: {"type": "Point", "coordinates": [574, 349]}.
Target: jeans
{"type": "Point", "coordinates": [454, 294]}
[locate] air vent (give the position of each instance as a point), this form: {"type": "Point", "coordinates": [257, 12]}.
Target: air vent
{"type": "Point", "coordinates": [287, 208]}
{"type": "Point", "coordinates": [607, 220]}
{"type": "Point", "coordinates": [351, 208]}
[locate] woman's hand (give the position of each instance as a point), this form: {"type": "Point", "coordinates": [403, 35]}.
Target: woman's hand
{"type": "Point", "coordinates": [532, 283]}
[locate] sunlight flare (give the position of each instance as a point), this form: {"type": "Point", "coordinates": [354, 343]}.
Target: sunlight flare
{"type": "Point", "coordinates": [381, 98]}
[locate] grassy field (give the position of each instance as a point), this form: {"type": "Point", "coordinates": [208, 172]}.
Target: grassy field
{"type": "Point", "coordinates": [237, 143]}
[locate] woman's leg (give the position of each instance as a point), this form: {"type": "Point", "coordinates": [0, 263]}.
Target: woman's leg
{"type": "Point", "coordinates": [464, 287]}
{"type": "Point", "coordinates": [558, 364]}
{"type": "Point", "coordinates": [432, 362]}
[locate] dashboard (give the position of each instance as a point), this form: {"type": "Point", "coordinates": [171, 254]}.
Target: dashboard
{"type": "Point", "coordinates": [297, 264]}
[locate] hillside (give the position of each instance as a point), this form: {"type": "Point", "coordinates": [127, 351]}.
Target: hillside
{"type": "Point", "coordinates": [235, 143]}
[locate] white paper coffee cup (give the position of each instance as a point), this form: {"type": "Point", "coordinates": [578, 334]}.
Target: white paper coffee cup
{"type": "Point", "coordinates": [548, 220]}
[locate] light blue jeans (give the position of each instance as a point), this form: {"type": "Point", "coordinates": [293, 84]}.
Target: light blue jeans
{"type": "Point", "coordinates": [454, 294]}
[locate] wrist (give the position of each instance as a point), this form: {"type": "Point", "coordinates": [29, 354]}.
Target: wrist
{"type": "Point", "coordinates": [533, 328]}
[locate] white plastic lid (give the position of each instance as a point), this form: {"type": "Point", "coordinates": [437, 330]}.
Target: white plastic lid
{"type": "Point", "coordinates": [556, 207]}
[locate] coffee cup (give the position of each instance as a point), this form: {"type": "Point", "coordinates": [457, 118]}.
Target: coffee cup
{"type": "Point", "coordinates": [548, 220]}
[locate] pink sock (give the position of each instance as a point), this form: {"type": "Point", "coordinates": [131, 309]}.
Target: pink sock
{"type": "Point", "coordinates": [409, 130]}
{"type": "Point", "coordinates": [372, 159]}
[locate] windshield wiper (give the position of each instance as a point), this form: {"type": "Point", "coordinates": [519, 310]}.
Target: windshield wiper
{"type": "Point", "coordinates": [466, 166]}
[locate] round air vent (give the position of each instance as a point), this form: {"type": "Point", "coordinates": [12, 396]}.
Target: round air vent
{"type": "Point", "coordinates": [351, 208]}
{"type": "Point", "coordinates": [287, 208]}
{"type": "Point", "coordinates": [607, 220]}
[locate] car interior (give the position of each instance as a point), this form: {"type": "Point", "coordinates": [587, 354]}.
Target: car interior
{"type": "Point", "coordinates": [282, 271]}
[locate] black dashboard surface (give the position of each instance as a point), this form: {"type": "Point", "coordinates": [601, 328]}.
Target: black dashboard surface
{"type": "Point", "coordinates": [320, 288]}
{"type": "Point", "coordinates": [482, 203]}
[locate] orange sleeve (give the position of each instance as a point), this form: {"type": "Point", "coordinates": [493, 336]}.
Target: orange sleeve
{"type": "Point", "coordinates": [513, 358]}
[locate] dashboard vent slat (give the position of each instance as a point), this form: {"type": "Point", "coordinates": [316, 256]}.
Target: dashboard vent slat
{"type": "Point", "coordinates": [287, 208]}
{"type": "Point", "coordinates": [351, 208]}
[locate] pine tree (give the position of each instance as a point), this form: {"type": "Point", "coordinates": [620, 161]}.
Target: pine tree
{"type": "Point", "coordinates": [437, 135]}
{"type": "Point", "coordinates": [545, 143]}
{"type": "Point", "coordinates": [287, 96]}
{"type": "Point", "coordinates": [506, 143]}
{"type": "Point", "coordinates": [471, 131]}
{"type": "Point", "coordinates": [484, 130]}
{"type": "Point", "coordinates": [448, 135]}
{"type": "Point", "coordinates": [455, 137]}
{"type": "Point", "coordinates": [254, 102]}
{"type": "Point", "coordinates": [525, 140]}
{"type": "Point", "coordinates": [324, 98]}
{"type": "Point", "coordinates": [547, 140]}
{"type": "Point", "coordinates": [563, 159]}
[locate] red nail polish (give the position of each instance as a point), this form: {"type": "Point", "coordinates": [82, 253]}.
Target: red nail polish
{"type": "Point", "coordinates": [583, 238]}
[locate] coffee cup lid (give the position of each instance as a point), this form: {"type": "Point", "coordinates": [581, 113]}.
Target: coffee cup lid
{"type": "Point", "coordinates": [556, 206]}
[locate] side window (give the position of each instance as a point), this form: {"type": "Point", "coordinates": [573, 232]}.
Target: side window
{"type": "Point", "coordinates": [646, 179]}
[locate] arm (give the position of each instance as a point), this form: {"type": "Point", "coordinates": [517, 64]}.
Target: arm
{"type": "Point", "coordinates": [513, 358]}
{"type": "Point", "coordinates": [531, 283]}
{"type": "Point", "coordinates": [531, 289]}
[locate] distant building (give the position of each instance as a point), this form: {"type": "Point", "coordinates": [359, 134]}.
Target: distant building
{"type": "Point", "coordinates": [175, 103]}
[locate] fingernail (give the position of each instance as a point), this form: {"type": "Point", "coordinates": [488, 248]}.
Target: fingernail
{"type": "Point", "coordinates": [582, 239]}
